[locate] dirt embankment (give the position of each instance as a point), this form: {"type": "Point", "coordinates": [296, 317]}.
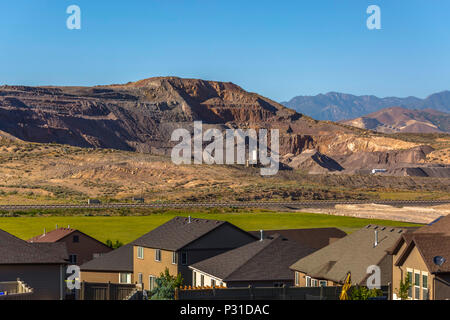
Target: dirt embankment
{"type": "Point", "coordinates": [375, 211]}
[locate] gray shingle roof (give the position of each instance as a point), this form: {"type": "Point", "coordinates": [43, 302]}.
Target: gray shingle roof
{"type": "Point", "coordinates": [177, 233]}
{"type": "Point", "coordinates": [264, 260]}
{"type": "Point", "coordinates": [316, 238]}
{"type": "Point", "coordinates": [120, 259]}
{"type": "Point", "coordinates": [17, 251]}
{"type": "Point", "coordinates": [353, 253]}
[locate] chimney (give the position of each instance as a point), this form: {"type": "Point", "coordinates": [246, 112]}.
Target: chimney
{"type": "Point", "coordinates": [376, 239]}
{"type": "Point", "coordinates": [44, 232]}
{"type": "Point", "coordinates": [261, 232]}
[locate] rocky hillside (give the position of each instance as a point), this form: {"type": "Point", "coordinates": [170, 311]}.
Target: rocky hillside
{"type": "Point", "coordinates": [140, 116]}
{"type": "Point", "coordinates": [337, 106]}
{"type": "Point", "coordinates": [398, 119]}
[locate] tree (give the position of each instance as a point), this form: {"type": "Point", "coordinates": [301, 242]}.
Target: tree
{"type": "Point", "coordinates": [364, 293]}
{"type": "Point", "coordinates": [114, 245]}
{"type": "Point", "coordinates": [166, 285]}
{"type": "Point", "coordinates": [405, 285]}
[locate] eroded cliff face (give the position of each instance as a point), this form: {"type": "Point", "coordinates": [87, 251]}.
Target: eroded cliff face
{"type": "Point", "coordinates": [141, 116]}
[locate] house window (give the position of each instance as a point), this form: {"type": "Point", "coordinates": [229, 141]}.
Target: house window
{"type": "Point", "coordinates": [202, 281]}
{"type": "Point", "coordinates": [322, 283]}
{"type": "Point", "coordinates": [194, 278]}
{"type": "Point", "coordinates": [416, 285]}
{"type": "Point", "coordinates": [140, 252]}
{"type": "Point", "coordinates": [425, 286]}
{"type": "Point", "coordinates": [410, 274]}
{"type": "Point", "coordinates": [140, 278]}
{"type": "Point", "coordinates": [157, 255]}
{"type": "Point", "coordinates": [314, 283]}
{"type": "Point", "coordinates": [297, 278]}
{"type": "Point", "coordinates": [73, 259]}
{"type": "Point", "coordinates": [174, 258]}
{"type": "Point", "coordinates": [76, 239]}
{"type": "Point", "coordinates": [308, 281]}
{"type": "Point", "coordinates": [213, 283]}
{"type": "Point", "coordinates": [125, 278]}
{"type": "Point", "coordinates": [184, 259]}
{"type": "Point", "coordinates": [152, 282]}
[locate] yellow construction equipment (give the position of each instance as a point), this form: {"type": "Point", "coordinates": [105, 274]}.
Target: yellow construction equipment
{"type": "Point", "coordinates": [346, 286]}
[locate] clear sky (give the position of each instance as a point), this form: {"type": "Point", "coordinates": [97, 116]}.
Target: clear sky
{"type": "Point", "coordinates": [277, 48]}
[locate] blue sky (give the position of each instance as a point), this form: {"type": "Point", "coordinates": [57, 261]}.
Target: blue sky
{"type": "Point", "coordinates": [277, 48]}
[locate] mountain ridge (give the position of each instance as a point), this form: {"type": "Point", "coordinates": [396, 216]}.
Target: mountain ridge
{"type": "Point", "coordinates": [336, 106]}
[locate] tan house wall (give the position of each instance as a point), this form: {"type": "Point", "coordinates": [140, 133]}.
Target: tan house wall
{"type": "Point", "coordinates": [148, 266]}
{"type": "Point", "coordinates": [47, 280]}
{"type": "Point", "coordinates": [220, 240]}
{"type": "Point", "coordinates": [414, 262]}
{"type": "Point", "coordinates": [85, 248]}
{"type": "Point", "coordinates": [302, 280]}
{"type": "Point", "coordinates": [102, 277]}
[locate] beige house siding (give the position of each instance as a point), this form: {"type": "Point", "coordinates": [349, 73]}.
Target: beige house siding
{"type": "Point", "coordinates": [46, 280]}
{"type": "Point", "coordinates": [102, 277]}
{"type": "Point", "coordinates": [220, 240]}
{"type": "Point", "coordinates": [414, 263]}
{"type": "Point", "coordinates": [148, 266]}
{"type": "Point", "coordinates": [302, 280]}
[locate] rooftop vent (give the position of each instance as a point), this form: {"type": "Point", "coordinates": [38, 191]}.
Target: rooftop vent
{"type": "Point", "coordinates": [376, 239]}
{"type": "Point", "coordinates": [261, 235]}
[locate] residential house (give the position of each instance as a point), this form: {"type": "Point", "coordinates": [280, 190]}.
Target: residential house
{"type": "Point", "coordinates": [42, 266]}
{"type": "Point", "coordinates": [80, 246]}
{"type": "Point", "coordinates": [316, 238]}
{"type": "Point", "coordinates": [181, 242]}
{"type": "Point", "coordinates": [115, 267]}
{"type": "Point", "coordinates": [425, 255]}
{"type": "Point", "coordinates": [356, 253]}
{"type": "Point", "coordinates": [263, 263]}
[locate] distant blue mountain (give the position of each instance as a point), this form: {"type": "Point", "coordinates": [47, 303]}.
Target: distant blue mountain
{"type": "Point", "coordinates": [337, 106]}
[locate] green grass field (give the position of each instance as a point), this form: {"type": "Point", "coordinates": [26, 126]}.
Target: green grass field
{"type": "Point", "coordinates": [128, 228]}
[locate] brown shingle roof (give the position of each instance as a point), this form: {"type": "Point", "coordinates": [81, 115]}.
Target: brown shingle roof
{"type": "Point", "coordinates": [431, 240]}
{"type": "Point", "coordinates": [52, 236]}
{"type": "Point", "coordinates": [316, 238]}
{"type": "Point", "coordinates": [353, 253]}
{"type": "Point", "coordinates": [178, 233]}
{"type": "Point", "coordinates": [264, 260]}
{"type": "Point", "coordinates": [17, 251]}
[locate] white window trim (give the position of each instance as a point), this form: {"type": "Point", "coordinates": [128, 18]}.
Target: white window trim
{"type": "Point", "coordinates": [150, 282]}
{"type": "Point", "coordinates": [424, 273]}
{"type": "Point", "coordinates": [140, 250]}
{"type": "Point", "coordinates": [297, 278]}
{"type": "Point", "coordinates": [417, 286]}
{"type": "Point", "coordinates": [128, 276]}
{"type": "Point", "coordinates": [409, 270]}
{"type": "Point", "coordinates": [174, 257]}
{"type": "Point", "coordinates": [156, 255]}
{"type": "Point", "coordinates": [306, 281]}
